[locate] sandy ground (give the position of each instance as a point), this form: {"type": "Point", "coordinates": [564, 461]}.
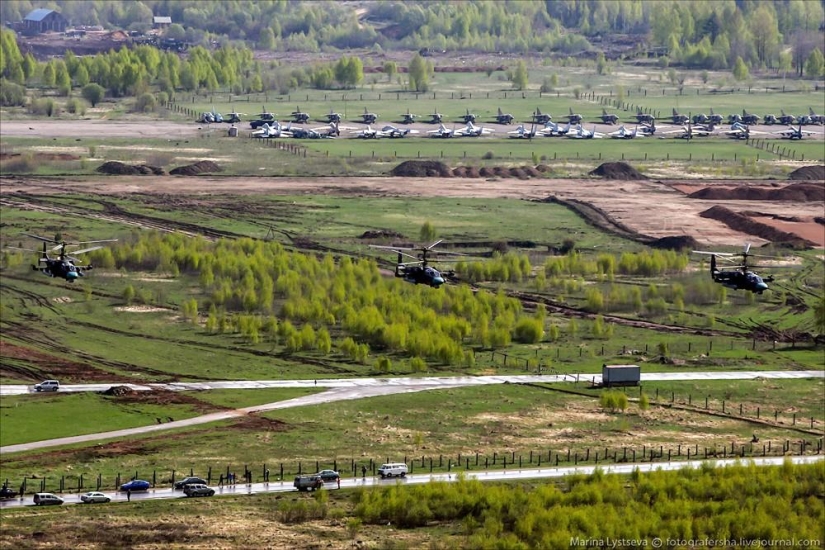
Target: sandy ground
{"type": "Point", "coordinates": [653, 208]}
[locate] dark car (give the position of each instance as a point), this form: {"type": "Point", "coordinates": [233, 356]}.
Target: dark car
{"type": "Point", "coordinates": [136, 485]}
{"type": "Point", "coordinates": [7, 492]}
{"type": "Point", "coordinates": [189, 481]}
{"type": "Point", "coordinates": [328, 475]}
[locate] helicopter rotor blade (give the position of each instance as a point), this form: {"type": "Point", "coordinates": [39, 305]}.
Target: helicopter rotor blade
{"type": "Point", "coordinates": [86, 250]}
{"type": "Point", "coordinates": [39, 238]}
{"type": "Point", "coordinates": [434, 244]}
{"type": "Point", "coordinates": [18, 248]}
{"type": "Point", "coordinates": [713, 253]}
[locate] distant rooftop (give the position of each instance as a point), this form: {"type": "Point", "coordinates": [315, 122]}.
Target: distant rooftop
{"type": "Point", "coordinates": [163, 20]}
{"type": "Point", "coordinates": [38, 15]}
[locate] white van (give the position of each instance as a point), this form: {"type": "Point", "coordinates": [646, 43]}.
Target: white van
{"type": "Point", "coordinates": [47, 385]}
{"type": "Point", "coordinates": [393, 469]}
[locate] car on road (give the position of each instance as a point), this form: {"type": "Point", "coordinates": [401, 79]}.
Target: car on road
{"type": "Point", "coordinates": [189, 481]}
{"type": "Point", "coordinates": [393, 469]}
{"type": "Point", "coordinates": [308, 483]}
{"type": "Point", "coordinates": [94, 497]}
{"type": "Point", "coordinates": [198, 490]}
{"type": "Point", "coordinates": [136, 485]}
{"type": "Point", "coordinates": [47, 385]}
{"type": "Point", "coordinates": [328, 475]}
{"type": "Point", "coordinates": [7, 492]}
{"type": "Point", "coordinates": [47, 499]}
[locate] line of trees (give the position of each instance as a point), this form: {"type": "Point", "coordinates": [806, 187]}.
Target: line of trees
{"type": "Point", "coordinates": [737, 503]}
{"type": "Point", "coordinates": [698, 33]}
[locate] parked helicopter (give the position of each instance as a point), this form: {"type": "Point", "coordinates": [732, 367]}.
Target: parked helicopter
{"type": "Point", "coordinates": [418, 271]}
{"type": "Point", "coordinates": [740, 278]}
{"type": "Point", "coordinates": [64, 266]}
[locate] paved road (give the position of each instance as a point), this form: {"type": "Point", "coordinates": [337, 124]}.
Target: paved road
{"type": "Point", "coordinates": [357, 388]}
{"type": "Point", "coordinates": [489, 475]}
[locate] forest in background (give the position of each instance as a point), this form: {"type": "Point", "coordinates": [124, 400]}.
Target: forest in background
{"type": "Point", "coordinates": [703, 34]}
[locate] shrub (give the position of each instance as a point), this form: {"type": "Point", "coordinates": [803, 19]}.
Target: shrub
{"type": "Point", "coordinates": [11, 94]}
{"type": "Point", "coordinates": [529, 331]}
{"type": "Point", "coordinates": [93, 93]}
{"type": "Point", "coordinates": [145, 103]}
{"type": "Point", "coordinates": [644, 402]}
{"type": "Point", "coordinates": [488, 155]}
{"type": "Point", "coordinates": [76, 106]}
{"type": "Point", "coordinates": [24, 164]}
{"type": "Point", "coordinates": [42, 106]}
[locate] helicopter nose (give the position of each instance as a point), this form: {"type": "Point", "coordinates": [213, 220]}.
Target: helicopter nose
{"type": "Point", "coordinates": [71, 275]}
{"type": "Point", "coordinates": [438, 281]}
{"type": "Point", "coordinates": [760, 287]}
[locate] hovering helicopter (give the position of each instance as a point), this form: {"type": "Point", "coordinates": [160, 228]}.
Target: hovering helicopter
{"type": "Point", "coordinates": [63, 266]}
{"type": "Point", "coordinates": [740, 278]}
{"type": "Point", "coordinates": [418, 271]}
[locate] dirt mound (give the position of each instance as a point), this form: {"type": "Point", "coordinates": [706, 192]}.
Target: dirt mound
{"type": "Point", "coordinates": [381, 234]}
{"type": "Point", "coordinates": [740, 222]}
{"type": "Point", "coordinates": [486, 172]}
{"type": "Point", "coordinates": [473, 172]}
{"type": "Point", "coordinates": [797, 192]}
{"type": "Point", "coordinates": [200, 167]}
{"type": "Point", "coordinates": [675, 242]}
{"type": "Point", "coordinates": [618, 171]}
{"type": "Point", "coordinates": [422, 168]}
{"type": "Point", "coordinates": [543, 168]}
{"type": "Point", "coordinates": [115, 168]}
{"type": "Point", "coordinates": [532, 172]}
{"type": "Point", "coordinates": [118, 391]}
{"type": "Point", "coordinates": [816, 173]}
{"type": "Point", "coordinates": [460, 172]}
{"type": "Point", "coordinates": [518, 172]}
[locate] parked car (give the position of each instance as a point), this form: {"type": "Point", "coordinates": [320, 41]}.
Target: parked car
{"type": "Point", "coordinates": [328, 475]}
{"type": "Point", "coordinates": [94, 497]}
{"type": "Point", "coordinates": [198, 490]}
{"type": "Point", "coordinates": [47, 385]}
{"type": "Point", "coordinates": [136, 485]}
{"type": "Point", "coordinates": [47, 499]}
{"type": "Point", "coordinates": [308, 483]}
{"type": "Point", "coordinates": [7, 492]}
{"type": "Point", "coordinates": [189, 481]}
{"type": "Point", "coordinates": [393, 469]}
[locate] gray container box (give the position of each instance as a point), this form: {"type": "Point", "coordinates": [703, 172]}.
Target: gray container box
{"type": "Point", "coordinates": [621, 375]}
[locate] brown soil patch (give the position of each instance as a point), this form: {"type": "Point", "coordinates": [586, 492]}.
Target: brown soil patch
{"type": "Point", "coordinates": [166, 397]}
{"type": "Point", "coordinates": [743, 223]}
{"type": "Point", "coordinates": [201, 167]}
{"type": "Point", "coordinates": [617, 171]}
{"type": "Point", "coordinates": [460, 171]}
{"type": "Point", "coordinates": [799, 192]}
{"type": "Point", "coordinates": [816, 173]}
{"type": "Point", "coordinates": [486, 172]}
{"type": "Point", "coordinates": [677, 242]}
{"type": "Point", "coordinates": [45, 365]}
{"type": "Point", "coordinates": [809, 230]}
{"type": "Point", "coordinates": [116, 168]}
{"type": "Point", "coordinates": [255, 423]}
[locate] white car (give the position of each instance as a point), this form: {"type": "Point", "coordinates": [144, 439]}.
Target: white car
{"type": "Point", "coordinates": [47, 385]}
{"type": "Point", "coordinates": [94, 497]}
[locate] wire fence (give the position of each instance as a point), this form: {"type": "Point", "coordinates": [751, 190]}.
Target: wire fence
{"type": "Point", "coordinates": [232, 474]}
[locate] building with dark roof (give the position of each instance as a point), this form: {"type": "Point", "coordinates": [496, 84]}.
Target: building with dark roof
{"type": "Point", "coordinates": [43, 20]}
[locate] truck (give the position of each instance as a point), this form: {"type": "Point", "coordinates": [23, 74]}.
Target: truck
{"type": "Point", "coordinates": [621, 375]}
{"type": "Point", "coordinates": [308, 483]}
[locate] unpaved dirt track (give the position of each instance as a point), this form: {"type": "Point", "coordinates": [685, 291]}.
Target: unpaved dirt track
{"type": "Point", "coordinates": [653, 208]}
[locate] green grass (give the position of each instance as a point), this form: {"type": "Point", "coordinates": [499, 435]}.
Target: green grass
{"type": "Point", "coordinates": [37, 417]}
{"type": "Point", "coordinates": [239, 399]}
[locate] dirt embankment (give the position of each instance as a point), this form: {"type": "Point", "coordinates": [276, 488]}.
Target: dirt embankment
{"type": "Point", "coordinates": [798, 192]}
{"type": "Point", "coordinates": [200, 167]}
{"type": "Point", "coordinates": [435, 169]}
{"type": "Point", "coordinates": [744, 224]}
{"type": "Point", "coordinates": [617, 171]}
{"type": "Point", "coordinates": [116, 168]}
{"type": "Point", "coordinates": [815, 173]}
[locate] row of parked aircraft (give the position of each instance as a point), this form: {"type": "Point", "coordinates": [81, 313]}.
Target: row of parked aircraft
{"type": "Point", "coordinates": [748, 118]}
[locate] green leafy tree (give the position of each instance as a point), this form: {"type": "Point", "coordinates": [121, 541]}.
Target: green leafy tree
{"type": "Point", "coordinates": [49, 75]}
{"type": "Point", "coordinates": [128, 294]}
{"type": "Point", "coordinates": [266, 39]}
{"type": "Point", "coordinates": [815, 64]}
{"type": "Point", "coordinates": [520, 76]}
{"type": "Point", "coordinates": [390, 69]}
{"type": "Point", "coordinates": [427, 233]}
{"type": "Point", "coordinates": [819, 316]}
{"type": "Point", "coordinates": [601, 64]}
{"type": "Point", "coordinates": [740, 69]}
{"type": "Point", "coordinates": [93, 93]}
{"type": "Point", "coordinates": [644, 402]}
{"type": "Point", "coordinates": [418, 74]}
